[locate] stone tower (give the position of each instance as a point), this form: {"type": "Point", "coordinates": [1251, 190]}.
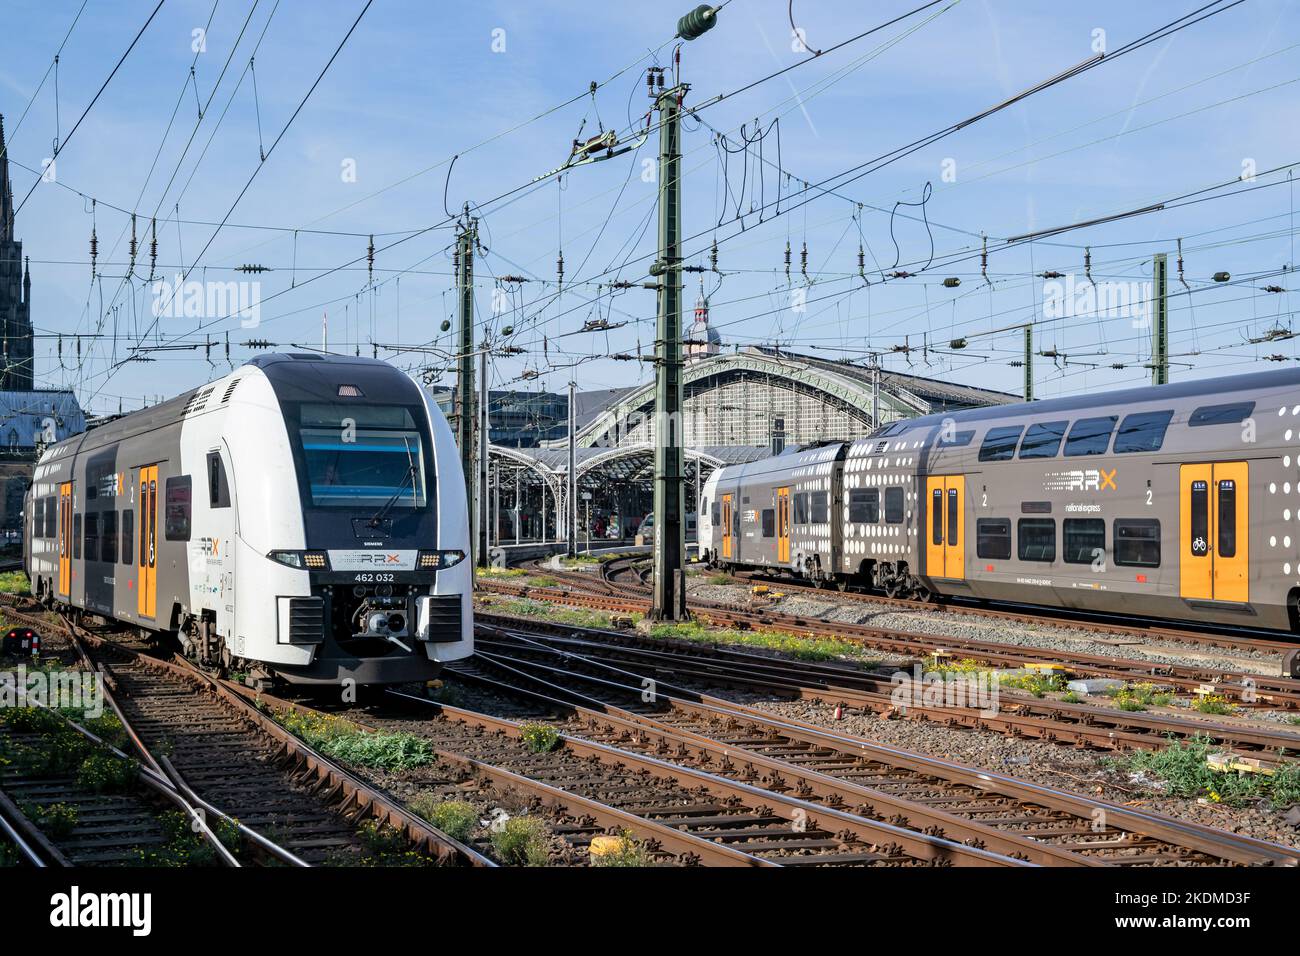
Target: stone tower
{"type": "Point", "coordinates": [16, 344]}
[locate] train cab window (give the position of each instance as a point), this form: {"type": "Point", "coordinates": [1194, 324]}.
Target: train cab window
{"type": "Point", "coordinates": [218, 487]}
{"type": "Point", "coordinates": [704, 508]}
{"type": "Point", "coordinates": [92, 537]}
{"type": "Point", "coordinates": [769, 523]}
{"type": "Point", "coordinates": [1137, 542]}
{"type": "Point", "coordinates": [864, 505]}
{"type": "Point", "coordinates": [893, 505]}
{"type": "Point", "coordinates": [1036, 539]}
{"type": "Point", "coordinates": [128, 536]}
{"type": "Point", "coordinates": [801, 508]}
{"type": "Point", "coordinates": [38, 517]}
{"type": "Point", "coordinates": [76, 537]}
{"type": "Point", "coordinates": [1231, 414]}
{"type": "Point", "coordinates": [1090, 436]}
{"type": "Point", "coordinates": [1083, 538]}
{"type": "Point", "coordinates": [952, 516]}
{"type": "Point", "coordinates": [936, 516]}
{"type": "Point", "coordinates": [1142, 431]}
{"type": "Point", "coordinates": [176, 521]}
{"type": "Point", "coordinates": [819, 508]}
{"type": "Point", "coordinates": [51, 517]}
{"type": "Point", "coordinates": [108, 538]}
{"type": "Point", "coordinates": [1043, 439]}
{"type": "Point", "coordinates": [1000, 443]}
{"type": "Point", "coordinates": [993, 538]}
{"type": "Point", "coordinates": [1227, 515]}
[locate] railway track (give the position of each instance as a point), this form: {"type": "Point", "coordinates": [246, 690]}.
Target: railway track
{"type": "Point", "coordinates": [623, 571]}
{"type": "Point", "coordinates": [221, 752]}
{"type": "Point", "coordinates": [1022, 716]}
{"type": "Point", "coordinates": [701, 816]}
{"type": "Point", "coordinates": [784, 755]}
{"type": "Point", "coordinates": [1245, 688]}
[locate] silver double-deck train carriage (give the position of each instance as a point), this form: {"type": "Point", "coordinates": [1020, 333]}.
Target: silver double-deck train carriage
{"type": "Point", "coordinates": [1176, 501]}
{"type": "Point", "coordinates": [304, 516]}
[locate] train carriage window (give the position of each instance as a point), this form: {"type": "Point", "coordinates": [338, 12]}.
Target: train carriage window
{"type": "Point", "coordinates": [864, 505]}
{"type": "Point", "coordinates": [952, 516]}
{"type": "Point", "coordinates": [801, 508]}
{"type": "Point", "coordinates": [993, 538]}
{"type": "Point", "coordinates": [51, 517]}
{"type": "Point", "coordinates": [1090, 436]}
{"type": "Point", "coordinates": [1231, 414]}
{"type": "Point", "coordinates": [1200, 508]}
{"type": "Point", "coordinates": [1043, 439]}
{"type": "Point", "coordinates": [958, 440]}
{"type": "Point", "coordinates": [76, 537]}
{"type": "Point", "coordinates": [128, 536]}
{"type": "Point", "coordinates": [1142, 431]}
{"type": "Point", "coordinates": [1227, 515]}
{"type": "Point", "coordinates": [38, 517]}
{"type": "Point", "coordinates": [108, 538]}
{"type": "Point", "coordinates": [1000, 443]}
{"type": "Point", "coordinates": [820, 508]}
{"type": "Point", "coordinates": [893, 505]}
{"type": "Point", "coordinates": [218, 487]}
{"type": "Point", "coordinates": [1084, 539]}
{"type": "Point", "coordinates": [717, 514]}
{"type": "Point", "coordinates": [1036, 539]}
{"type": "Point", "coordinates": [936, 516]}
{"type": "Point", "coordinates": [92, 537]}
{"type": "Point", "coordinates": [176, 523]}
{"type": "Point", "coordinates": [769, 523]}
{"type": "Point", "coordinates": [1137, 542]}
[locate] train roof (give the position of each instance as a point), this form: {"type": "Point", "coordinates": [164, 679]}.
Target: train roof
{"type": "Point", "coordinates": [1197, 389]}
{"type": "Point", "coordinates": [295, 375]}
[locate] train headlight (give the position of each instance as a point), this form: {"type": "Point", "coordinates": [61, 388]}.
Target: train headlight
{"type": "Point", "coordinates": [302, 560]}
{"type": "Point", "coordinates": [438, 560]}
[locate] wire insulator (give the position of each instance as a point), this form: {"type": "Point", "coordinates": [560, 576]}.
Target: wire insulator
{"type": "Point", "coordinates": [803, 260]}
{"type": "Point", "coordinates": [713, 256]}
{"type": "Point", "coordinates": [697, 23]}
{"type": "Point", "coordinates": [133, 246]}
{"type": "Point", "coordinates": [370, 260]}
{"type": "Point", "coordinates": [787, 258]}
{"type": "Point", "coordinates": [153, 246]}
{"type": "Point", "coordinates": [559, 269]}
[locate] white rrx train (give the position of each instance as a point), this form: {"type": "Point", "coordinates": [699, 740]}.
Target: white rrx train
{"type": "Point", "coordinates": [304, 516]}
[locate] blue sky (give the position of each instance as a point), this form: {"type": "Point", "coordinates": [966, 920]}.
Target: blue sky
{"type": "Point", "coordinates": [418, 83]}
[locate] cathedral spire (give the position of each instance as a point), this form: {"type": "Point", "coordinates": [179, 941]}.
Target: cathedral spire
{"type": "Point", "coordinates": [6, 189]}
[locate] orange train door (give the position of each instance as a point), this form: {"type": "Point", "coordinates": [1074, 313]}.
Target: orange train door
{"type": "Point", "coordinates": [783, 524]}
{"type": "Point", "coordinates": [65, 539]}
{"type": "Point", "coordinates": [727, 544]}
{"type": "Point", "coordinates": [1214, 530]}
{"type": "Point", "coordinates": [147, 552]}
{"type": "Point", "coordinates": [945, 555]}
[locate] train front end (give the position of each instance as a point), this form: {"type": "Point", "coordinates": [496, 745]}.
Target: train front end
{"type": "Point", "coordinates": [361, 571]}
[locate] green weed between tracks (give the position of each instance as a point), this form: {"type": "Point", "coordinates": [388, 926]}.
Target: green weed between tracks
{"type": "Point", "coordinates": [345, 741]}
{"type": "Point", "coordinates": [1182, 768]}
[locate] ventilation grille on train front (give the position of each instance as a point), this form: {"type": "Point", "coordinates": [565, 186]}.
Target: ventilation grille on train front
{"type": "Point", "coordinates": [306, 620]}
{"type": "Point", "coordinates": [444, 618]}
{"type": "Point", "coordinates": [229, 391]}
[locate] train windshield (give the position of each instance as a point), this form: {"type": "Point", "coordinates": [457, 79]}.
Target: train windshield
{"type": "Point", "coordinates": [362, 456]}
